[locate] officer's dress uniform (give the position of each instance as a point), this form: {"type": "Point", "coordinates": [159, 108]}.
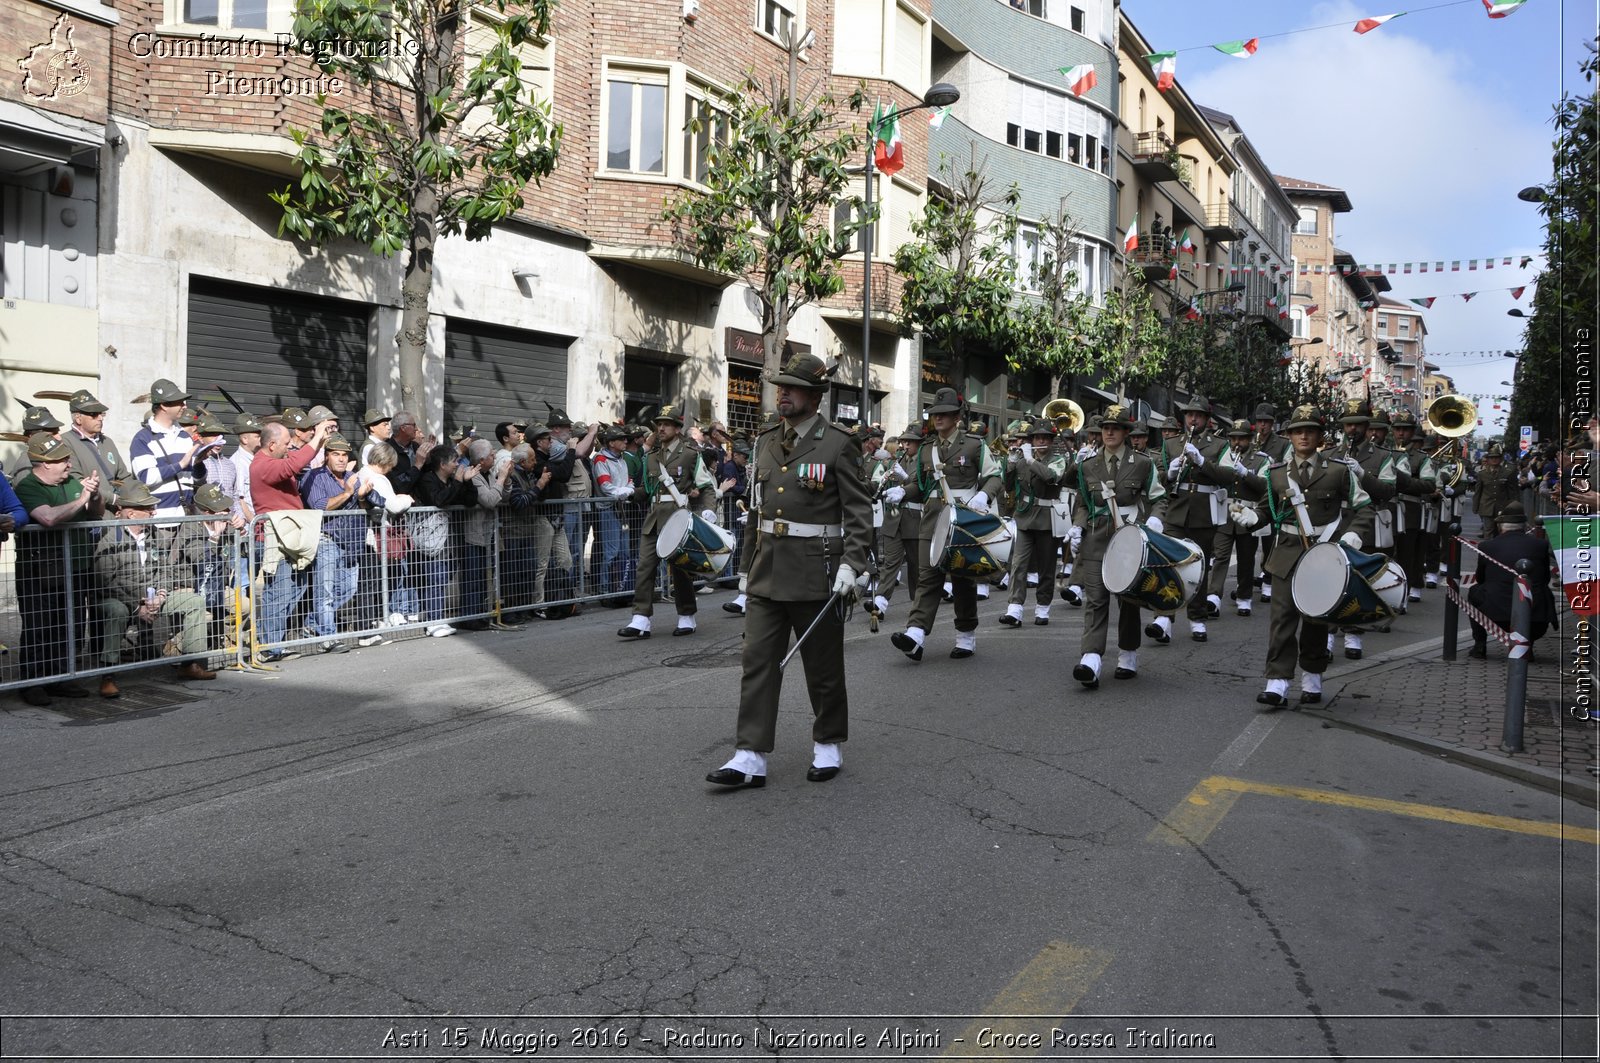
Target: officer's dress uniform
{"type": "Point", "coordinates": [811, 511]}
{"type": "Point", "coordinates": [679, 464]}
{"type": "Point", "coordinates": [969, 467]}
{"type": "Point", "coordinates": [1139, 495]}
{"type": "Point", "coordinates": [1196, 506]}
{"type": "Point", "coordinates": [1336, 503]}
{"type": "Point", "coordinates": [1497, 488]}
{"type": "Point", "coordinates": [1034, 483]}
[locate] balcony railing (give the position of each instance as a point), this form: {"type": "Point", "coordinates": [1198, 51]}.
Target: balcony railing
{"type": "Point", "coordinates": [1222, 222]}
{"type": "Point", "coordinates": [1155, 156]}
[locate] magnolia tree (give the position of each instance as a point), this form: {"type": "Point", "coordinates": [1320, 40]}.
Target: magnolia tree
{"type": "Point", "coordinates": [442, 141]}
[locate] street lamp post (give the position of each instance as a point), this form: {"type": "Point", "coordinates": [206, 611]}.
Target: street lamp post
{"type": "Point", "coordinates": [940, 94]}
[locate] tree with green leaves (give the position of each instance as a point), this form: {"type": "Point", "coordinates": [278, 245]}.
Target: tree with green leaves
{"type": "Point", "coordinates": [442, 142]}
{"type": "Point", "coordinates": [959, 276]}
{"type": "Point", "coordinates": [771, 184]}
{"type": "Point", "coordinates": [1558, 342]}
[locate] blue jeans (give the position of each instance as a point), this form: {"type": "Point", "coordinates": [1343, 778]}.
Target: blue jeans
{"type": "Point", "coordinates": [613, 547]}
{"type": "Point", "coordinates": [430, 576]}
{"type": "Point", "coordinates": [335, 584]}
{"type": "Point", "coordinates": [282, 593]}
{"type": "Point", "coordinates": [474, 580]}
{"type": "Point", "coordinates": [578, 518]}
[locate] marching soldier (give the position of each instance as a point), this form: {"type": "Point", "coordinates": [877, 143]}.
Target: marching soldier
{"type": "Point", "coordinates": [902, 523]}
{"type": "Point", "coordinates": [1238, 536]}
{"type": "Point", "coordinates": [1497, 488]}
{"type": "Point", "coordinates": [1449, 501]}
{"type": "Point", "coordinates": [1034, 476]}
{"type": "Point", "coordinates": [954, 460]}
{"type": "Point", "coordinates": [1137, 495]}
{"type": "Point", "coordinates": [875, 466]}
{"type": "Point", "coordinates": [1274, 446]}
{"type": "Point", "coordinates": [1066, 445]}
{"type": "Point", "coordinates": [674, 478]}
{"type": "Point", "coordinates": [808, 536]}
{"type": "Point", "coordinates": [1415, 477]}
{"type": "Point", "coordinates": [1378, 429]}
{"type": "Point", "coordinates": [1377, 473]}
{"type": "Point", "coordinates": [1197, 489]}
{"type": "Point", "coordinates": [1309, 498]}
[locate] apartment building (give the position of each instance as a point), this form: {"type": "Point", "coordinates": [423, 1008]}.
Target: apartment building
{"type": "Point", "coordinates": [580, 299]}
{"type": "Point", "coordinates": [1402, 339]}
{"type": "Point", "coordinates": [1019, 119]}
{"type": "Point", "coordinates": [1260, 219]}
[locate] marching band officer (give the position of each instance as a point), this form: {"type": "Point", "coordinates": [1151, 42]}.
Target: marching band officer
{"type": "Point", "coordinates": [970, 471]}
{"type": "Point", "coordinates": [1333, 501]}
{"type": "Point", "coordinates": [674, 478]}
{"type": "Point", "coordinates": [1034, 475]}
{"type": "Point", "coordinates": [1376, 469]}
{"type": "Point", "coordinates": [1138, 496]}
{"type": "Point", "coordinates": [1497, 488]}
{"type": "Point", "coordinates": [902, 522]}
{"type": "Point", "coordinates": [809, 534]}
{"type": "Point", "coordinates": [1235, 539]}
{"type": "Point", "coordinates": [1415, 477]}
{"type": "Point", "coordinates": [1197, 486]}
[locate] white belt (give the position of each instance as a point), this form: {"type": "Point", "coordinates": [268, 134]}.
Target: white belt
{"type": "Point", "coordinates": [1320, 533]}
{"type": "Point", "coordinates": [1202, 489]}
{"type": "Point", "coordinates": [915, 507]}
{"type": "Point", "coordinates": [794, 529]}
{"type": "Point", "coordinates": [1128, 514]}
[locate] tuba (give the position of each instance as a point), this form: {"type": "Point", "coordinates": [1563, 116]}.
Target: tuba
{"type": "Point", "coordinates": [1065, 414]}
{"type": "Point", "coordinates": [1451, 416]}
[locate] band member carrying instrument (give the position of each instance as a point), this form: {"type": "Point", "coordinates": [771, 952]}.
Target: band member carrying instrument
{"type": "Point", "coordinates": [1243, 531]}
{"type": "Point", "coordinates": [1034, 474]}
{"type": "Point", "coordinates": [1116, 486]}
{"type": "Point", "coordinates": [1197, 487]}
{"type": "Point", "coordinates": [1378, 480]}
{"type": "Point", "coordinates": [1310, 498]}
{"type": "Point", "coordinates": [1415, 476]}
{"type": "Point", "coordinates": [953, 468]}
{"type": "Point", "coordinates": [808, 536]}
{"type": "Point", "coordinates": [902, 520]}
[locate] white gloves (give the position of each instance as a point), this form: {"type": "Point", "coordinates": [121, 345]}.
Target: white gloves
{"type": "Point", "coordinates": [979, 503]}
{"type": "Point", "coordinates": [880, 455]}
{"type": "Point", "coordinates": [1449, 492]}
{"type": "Point", "coordinates": [1172, 467]}
{"type": "Point", "coordinates": [1154, 524]}
{"type": "Point", "coordinates": [1027, 452]}
{"type": "Point", "coordinates": [1085, 452]}
{"type": "Point", "coordinates": [1014, 459]}
{"type": "Point", "coordinates": [1075, 537]}
{"type": "Point", "coordinates": [1351, 539]}
{"type": "Point", "coordinates": [1239, 467]}
{"type": "Point", "coordinates": [895, 495]}
{"type": "Point", "coordinates": [1194, 454]}
{"type": "Point", "coordinates": [1243, 516]}
{"type": "Point", "coordinates": [899, 474]}
{"type": "Point", "coordinates": [744, 583]}
{"type": "Point", "coordinates": [709, 516]}
{"type": "Point", "coordinates": [742, 519]}
{"type": "Point", "coordinates": [844, 582]}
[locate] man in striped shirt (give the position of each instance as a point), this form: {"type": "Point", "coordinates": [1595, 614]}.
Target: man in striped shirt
{"type": "Point", "coordinates": [162, 454]}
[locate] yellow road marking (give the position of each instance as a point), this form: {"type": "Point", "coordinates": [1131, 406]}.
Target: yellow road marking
{"type": "Point", "coordinates": [1199, 813]}
{"type": "Point", "coordinates": [1050, 985]}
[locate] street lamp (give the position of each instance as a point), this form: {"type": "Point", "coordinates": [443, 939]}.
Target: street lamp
{"type": "Point", "coordinates": [1533, 194]}
{"type": "Point", "coordinates": [940, 94]}
{"type": "Point", "coordinates": [1515, 312]}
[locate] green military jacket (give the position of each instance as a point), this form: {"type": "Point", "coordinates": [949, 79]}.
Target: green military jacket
{"type": "Point", "coordinates": [1189, 495]}
{"type": "Point", "coordinates": [677, 463]}
{"type": "Point", "coordinates": [969, 465]}
{"type": "Point", "coordinates": [1333, 495]}
{"type": "Point", "coordinates": [1036, 484]}
{"type": "Point", "coordinates": [1496, 490]}
{"type": "Point", "coordinates": [125, 575]}
{"type": "Point", "coordinates": [1136, 487]}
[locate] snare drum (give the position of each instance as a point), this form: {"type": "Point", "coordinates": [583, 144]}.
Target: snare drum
{"type": "Point", "coordinates": [974, 545]}
{"type": "Point", "coordinates": [1152, 570]}
{"type": "Point", "coordinates": [1344, 587]}
{"type": "Point", "coordinates": [689, 542]}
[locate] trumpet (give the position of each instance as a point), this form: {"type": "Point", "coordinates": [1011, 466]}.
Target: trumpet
{"type": "Point", "coordinates": [1065, 414]}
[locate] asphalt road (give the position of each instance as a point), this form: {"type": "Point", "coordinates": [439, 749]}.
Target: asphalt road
{"type": "Point", "coordinates": [502, 844]}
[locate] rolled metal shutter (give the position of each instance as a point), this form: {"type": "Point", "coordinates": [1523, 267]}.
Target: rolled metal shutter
{"type": "Point", "coordinates": [494, 374]}
{"type": "Point", "coordinates": [271, 349]}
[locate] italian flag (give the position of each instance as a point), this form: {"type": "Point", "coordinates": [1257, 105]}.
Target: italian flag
{"type": "Point", "coordinates": [1367, 25]}
{"type": "Point", "coordinates": [1501, 10]}
{"type": "Point", "coordinates": [1576, 543]}
{"type": "Point", "coordinates": [887, 152]}
{"type": "Point", "coordinates": [1186, 244]}
{"type": "Point", "coordinates": [1245, 49]}
{"type": "Point", "coordinates": [1193, 313]}
{"type": "Point", "coordinates": [1081, 78]}
{"type": "Point", "coordinates": [1165, 64]}
{"type": "Point", "coordinates": [1131, 244]}
{"type": "Point", "coordinates": [937, 116]}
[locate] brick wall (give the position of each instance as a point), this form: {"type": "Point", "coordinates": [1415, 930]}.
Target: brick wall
{"type": "Point", "coordinates": [31, 37]}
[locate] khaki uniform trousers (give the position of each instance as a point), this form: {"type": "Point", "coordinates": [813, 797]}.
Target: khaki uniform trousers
{"type": "Point", "coordinates": [930, 593]}
{"type": "Point", "coordinates": [768, 627]}
{"type": "Point", "coordinates": [1282, 642]}
{"type": "Point", "coordinates": [1097, 612]}
{"type": "Point", "coordinates": [1034, 549]}
{"type": "Point", "coordinates": [644, 584]}
{"type": "Point", "coordinates": [185, 610]}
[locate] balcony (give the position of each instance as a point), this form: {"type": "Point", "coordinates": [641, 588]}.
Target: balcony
{"type": "Point", "coordinates": [1221, 222]}
{"type": "Point", "coordinates": [1155, 257]}
{"type": "Point", "coordinates": [1155, 156]}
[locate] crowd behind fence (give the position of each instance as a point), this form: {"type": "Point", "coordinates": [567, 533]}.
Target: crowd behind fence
{"type": "Point", "coordinates": [96, 598]}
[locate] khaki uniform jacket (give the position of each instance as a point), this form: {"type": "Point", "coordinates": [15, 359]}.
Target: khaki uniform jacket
{"type": "Point", "coordinates": [910, 519]}
{"type": "Point", "coordinates": [819, 482]}
{"type": "Point", "coordinates": [1334, 494]}
{"type": "Point", "coordinates": [1189, 496]}
{"type": "Point", "coordinates": [1037, 484]}
{"type": "Point", "coordinates": [1415, 477]}
{"type": "Point", "coordinates": [1496, 490]}
{"type": "Point", "coordinates": [1136, 485]}
{"type": "Point", "coordinates": [969, 465]}
{"type": "Point", "coordinates": [679, 463]}
{"type": "Point", "coordinates": [104, 459]}
{"type": "Point", "coordinates": [124, 576]}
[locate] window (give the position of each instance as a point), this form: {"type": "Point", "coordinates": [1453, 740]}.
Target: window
{"type": "Point", "coordinates": [845, 212]}
{"type": "Point", "coordinates": [636, 122]}
{"type": "Point", "coordinates": [1077, 20]}
{"type": "Point", "coordinates": [1028, 253]}
{"type": "Point", "coordinates": [1297, 321]}
{"type": "Point", "coordinates": [911, 45]}
{"type": "Point", "coordinates": [1307, 226]}
{"type": "Point", "coordinates": [1049, 123]}
{"type": "Point", "coordinates": [776, 18]}
{"type": "Point", "coordinates": [1403, 326]}
{"type": "Point", "coordinates": [713, 129]}
{"type": "Point", "coordinates": [1383, 322]}
{"type": "Point", "coordinates": [1036, 8]}
{"type": "Point", "coordinates": [263, 15]}
{"type": "Point", "coordinates": [536, 56]}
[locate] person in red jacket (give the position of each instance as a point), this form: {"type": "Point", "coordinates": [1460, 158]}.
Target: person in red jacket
{"type": "Point", "coordinates": [275, 488]}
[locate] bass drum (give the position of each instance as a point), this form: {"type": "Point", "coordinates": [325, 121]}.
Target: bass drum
{"type": "Point", "coordinates": [1344, 587]}
{"type": "Point", "coordinates": [695, 545]}
{"type": "Point", "coordinates": [973, 545]}
{"type": "Point", "coordinates": [1152, 570]}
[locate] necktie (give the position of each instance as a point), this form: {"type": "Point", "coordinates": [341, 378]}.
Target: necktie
{"type": "Point", "coordinates": [1305, 473]}
{"type": "Point", "coordinates": [1112, 464]}
{"type": "Point", "coordinates": [790, 438]}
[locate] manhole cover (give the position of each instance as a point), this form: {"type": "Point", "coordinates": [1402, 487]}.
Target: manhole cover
{"type": "Point", "coordinates": [134, 699]}
{"type": "Point", "coordinates": [715, 659]}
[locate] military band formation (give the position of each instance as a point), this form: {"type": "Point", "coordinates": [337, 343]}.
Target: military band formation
{"type": "Point", "coordinates": [1335, 525]}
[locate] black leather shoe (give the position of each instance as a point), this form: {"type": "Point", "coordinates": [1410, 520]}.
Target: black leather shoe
{"type": "Point", "coordinates": [1041, 621]}
{"type": "Point", "coordinates": [632, 633]}
{"type": "Point", "coordinates": [1124, 673]}
{"type": "Point", "coordinates": [1479, 653]}
{"type": "Point", "coordinates": [816, 774]}
{"type": "Point", "coordinates": [906, 645]}
{"type": "Point", "coordinates": [1350, 654]}
{"type": "Point", "coordinates": [729, 607]}
{"type": "Point", "coordinates": [1198, 636]}
{"type": "Point", "coordinates": [960, 654]}
{"type": "Point", "coordinates": [1154, 631]}
{"type": "Point", "coordinates": [736, 779]}
{"type": "Point", "coordinates": [1212, 611]}
{"type": "Point", "coordinates": [1007, 620]}
{"type": "Point", "coordinates": [1085, 675]}
{"type": "Point", "coordinates": [1271, 700]}
{"type": "Point", "coordinates": [679, 631]}
{"type": "Point", "coordinates": [1310, 699]}
{"type": "Point", "coordinates": [37, 696]}
{"type": "Point", "coordinates": [1071, 597]}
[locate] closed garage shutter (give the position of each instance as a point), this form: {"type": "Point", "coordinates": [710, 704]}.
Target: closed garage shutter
{"type": "Point", "coordinates": [494, 374]}
{"type": "Point", "coordinates": [271, 349]}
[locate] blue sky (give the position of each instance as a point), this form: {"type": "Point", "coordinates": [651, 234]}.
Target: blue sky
{"type": "Point", "coordinates": [1431, 123]}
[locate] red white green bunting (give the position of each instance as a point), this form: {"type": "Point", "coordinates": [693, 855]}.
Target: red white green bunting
{"type": "Point", "coordinates": [1080, 78]}
{"type": "Point", "coordinates": [1165, 64]}
{"type": "Point", "coordinates": [1239, 49]}
{"type": "Point", "coordinates": [1501, 10]}
{"type": "Point", "coordinates": [888, 153]}
{"type": "Point", "coordinates": [1367, 25]}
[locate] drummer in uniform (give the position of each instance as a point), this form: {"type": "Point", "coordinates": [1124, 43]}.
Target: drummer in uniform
{"type": "Point", "coordinates": [1197, 490]}
{"type": "Point", "coordinates": [808, 536]}
{"type": "Point", "coordinates": [1497, 488]}
{"type": "Point", "coordinates": [1415, 477]}
{"type": "Point", "coordinates": [675, 478]}
{"type": "Point", "coordinates": [902, 521]}
{"type": "Point", "coordinates": [1034, 475]}
{"type": "Point", "coordinates": [972, 476]}
{"type": "Point", "coordinates": [1335, 504]}
{"type": "Point", "coordinates": [1238, 536]}
{"type": "Point", "coordinates": [1139, 497]}
{"type": "Point", "coordinates": [1378, 480]}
